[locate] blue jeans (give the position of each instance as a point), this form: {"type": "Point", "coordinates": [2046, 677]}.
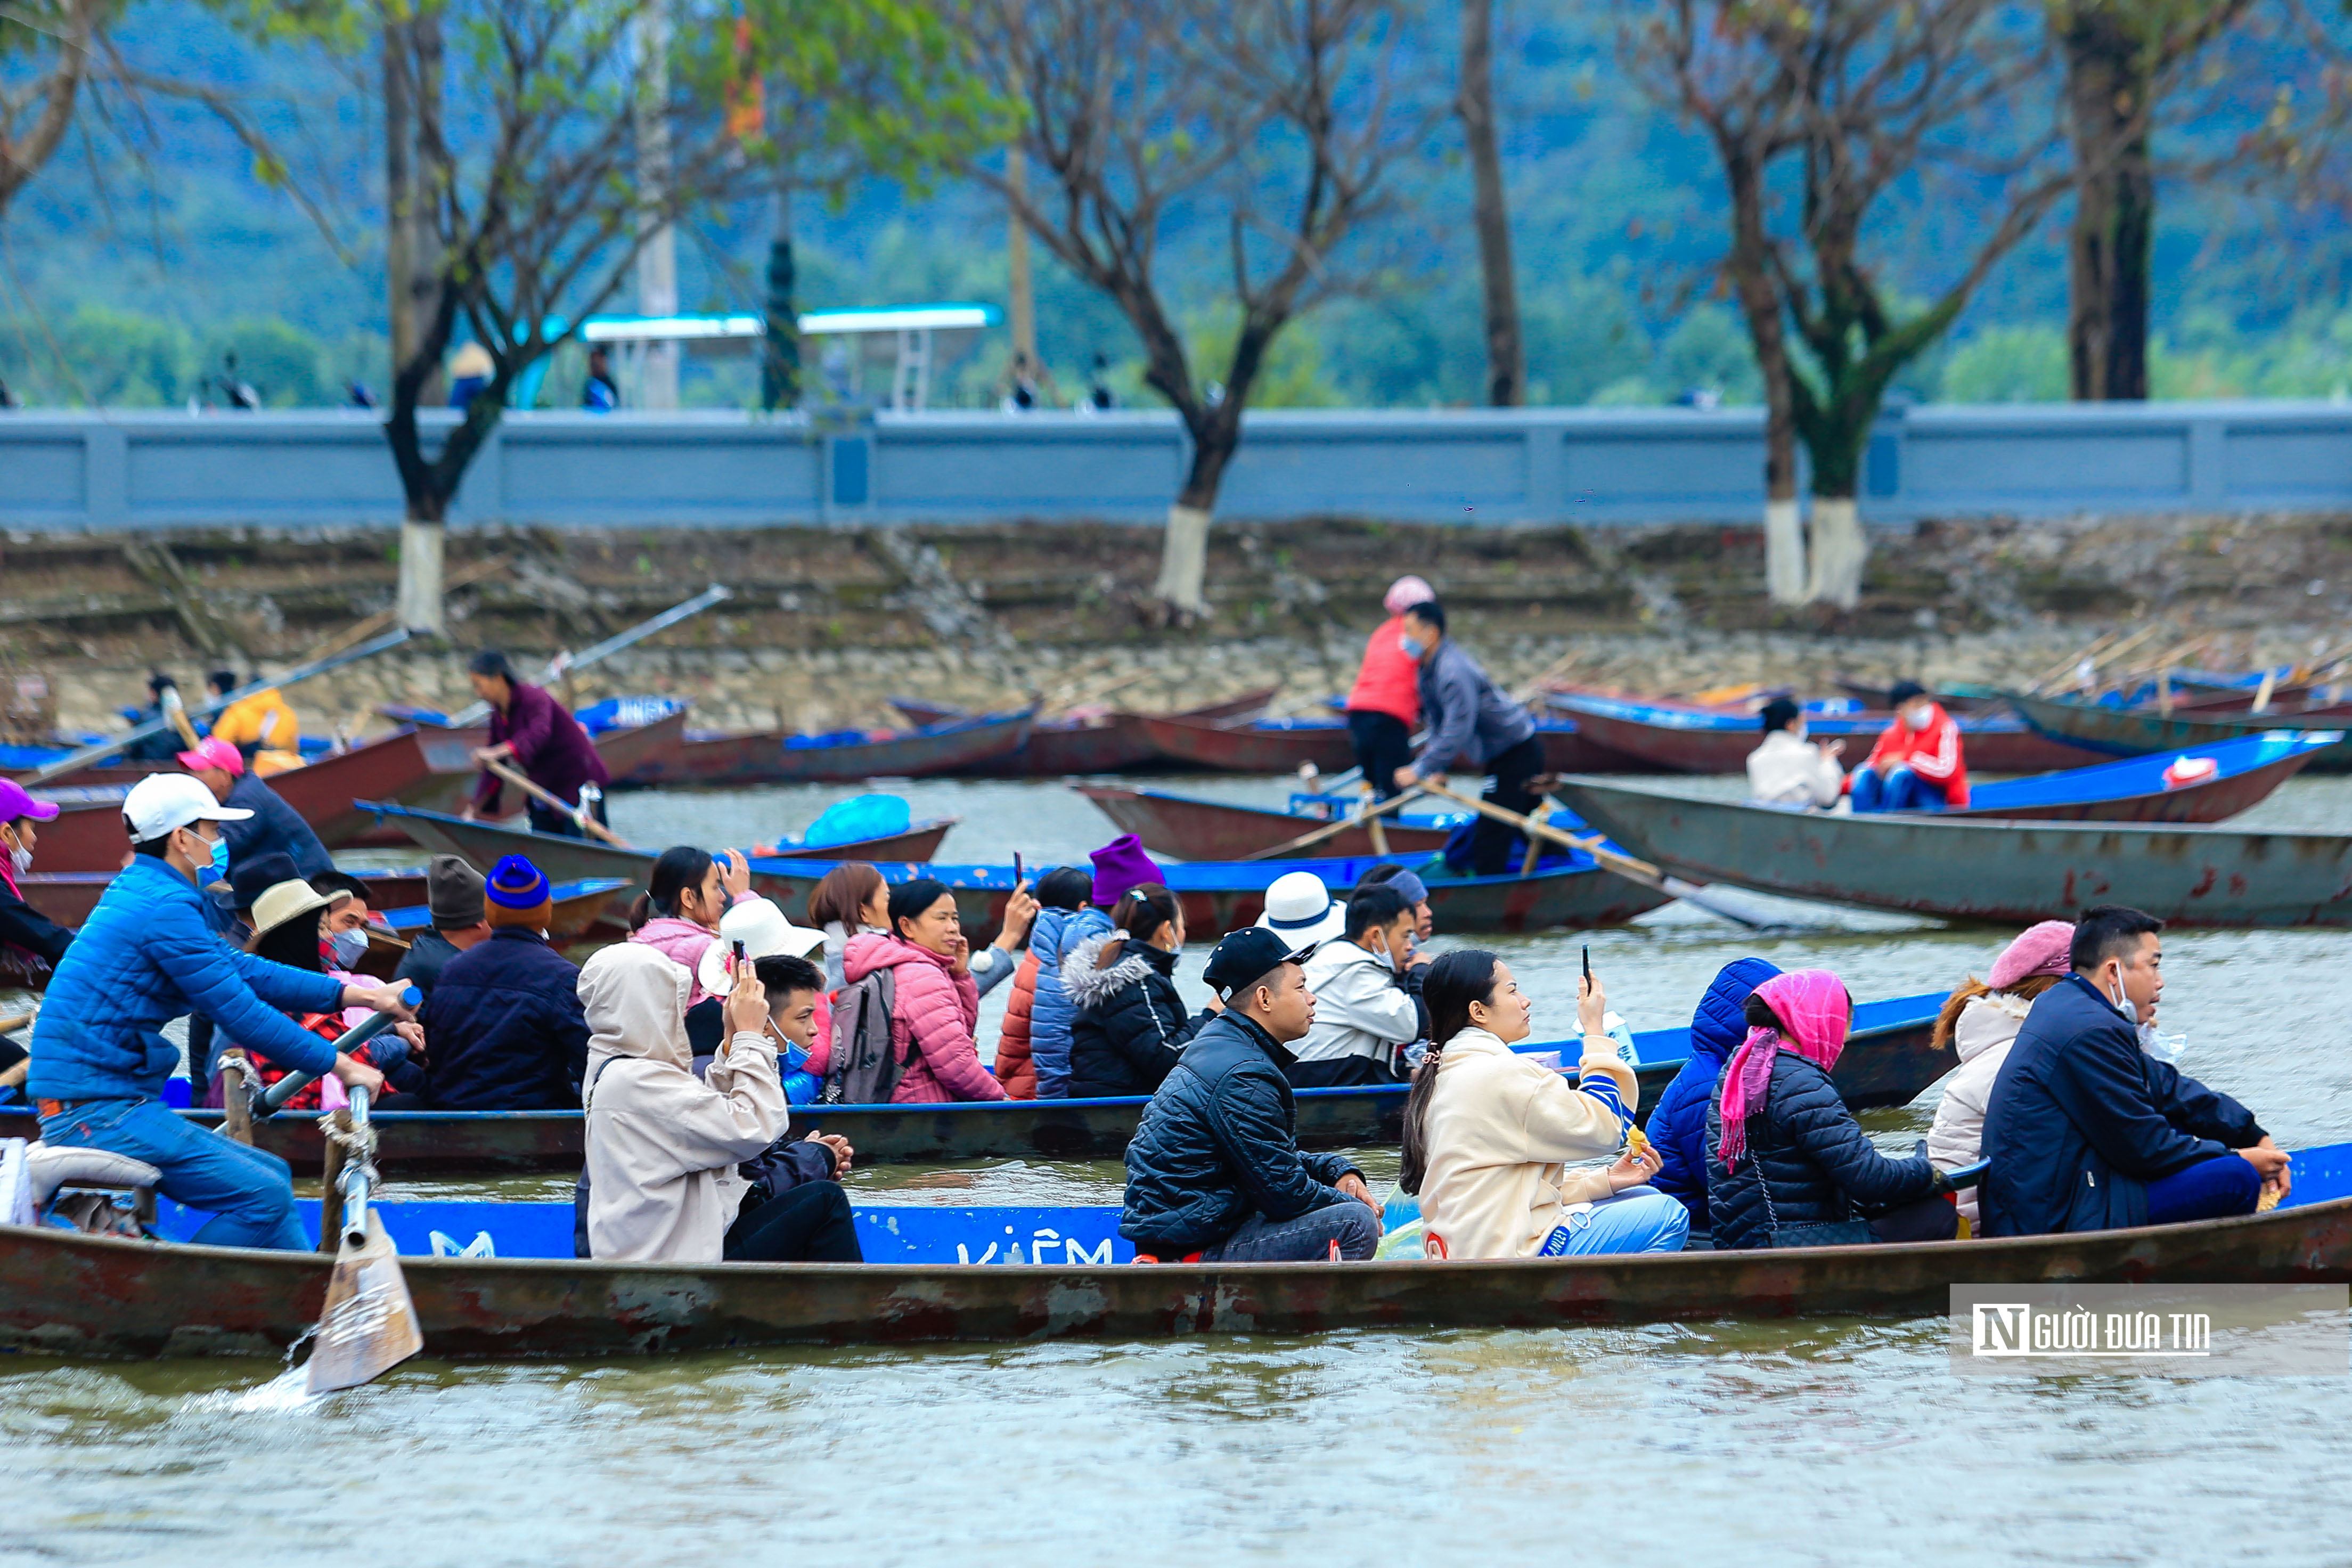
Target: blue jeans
{"type": "Point", "coordinates": [2209, 1189]}
{"type": "Point", "coordinates": [248, 1193]}
{"type": "Point", "coordinates": [1307, 1238]}
{"type": "Point", "coordinates": [1639, 1219]}
{"type": "Point", "coordinates": [1900, 790]}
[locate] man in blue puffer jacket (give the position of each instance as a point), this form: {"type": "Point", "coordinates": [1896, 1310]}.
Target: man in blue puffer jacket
{"type": "Point", "coordinates": [1678, 1122]}
{"type": "Point", "coordinates": [147, 956]}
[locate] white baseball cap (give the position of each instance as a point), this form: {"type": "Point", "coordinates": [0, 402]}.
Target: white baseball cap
{"type": "Point", "coordinates": [1300, 909]}
{"type": "Point", "coordinates": [763, 931]}
{"type": "Point", "coordinates": [162, 802]}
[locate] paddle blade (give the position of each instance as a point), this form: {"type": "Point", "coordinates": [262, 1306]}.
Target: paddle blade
{"type": "Point", "coordinates": [1727, 905]}
{"type": "Point", "coordinates": [368, 1326]}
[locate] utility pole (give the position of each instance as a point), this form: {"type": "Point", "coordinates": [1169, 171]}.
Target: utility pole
{"type": "Point", "coordinates": [657, 262]}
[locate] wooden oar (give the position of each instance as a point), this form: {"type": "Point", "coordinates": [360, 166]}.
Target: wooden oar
{"type": "Point", "coordinates": [1333, 830]}
{"type": "Point", "coordinates": [549, 797]}
{"type": "Point", "coordinates": [1608, 860]}
{"type": "Point", "coordinates": [10, 1026]}
{"type": "Point", "coordinates": [369, 1324]}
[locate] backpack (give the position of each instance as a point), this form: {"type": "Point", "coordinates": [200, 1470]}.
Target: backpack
{"type": "Point", "coordinates": [864, 1070]}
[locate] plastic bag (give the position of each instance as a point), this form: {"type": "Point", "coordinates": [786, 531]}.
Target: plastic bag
{"type": "Point", "coordinates": [856, 819]}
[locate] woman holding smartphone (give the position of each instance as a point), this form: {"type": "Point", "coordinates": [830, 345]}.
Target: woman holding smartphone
{"type": "Point", "coordinates": [1488, 1134]}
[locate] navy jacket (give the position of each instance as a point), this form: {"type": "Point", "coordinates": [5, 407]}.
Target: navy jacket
{"type": "Point", "coordinates": [2080, 1119]}
{"type": "Point", "coordinates": [428, 954]}
{"type": "Point", "coordinates": [504, 1029]}
{"type": "Point", "coordinates": [1218, 1144]}
{"type": "Point", "coordinates": [21, 925]}
{"type": "Point", "coordinates": [145, 957]}
{"type": "Point", "coordinates": [1806, 1148]}
{"type": "Point", "coordinates": [273, 827]}
{"type": "Point", "coordinates": [1678, 1121]}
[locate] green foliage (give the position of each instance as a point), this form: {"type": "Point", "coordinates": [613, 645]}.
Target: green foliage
{"type": "Point", "coordinates": [285, 364]}
{"type": "Point", "coordinates": [1291, 377]}
{"type": "Point", "coordinates": [2007, 364]}
{"type": "Point", "coordinates": [101, 357]}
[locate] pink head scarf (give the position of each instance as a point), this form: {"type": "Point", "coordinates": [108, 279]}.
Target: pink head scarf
{"type": "Point", "coordinates": [1405, 593]}
{"type": "Point", "coordinates": [1814, 1005]}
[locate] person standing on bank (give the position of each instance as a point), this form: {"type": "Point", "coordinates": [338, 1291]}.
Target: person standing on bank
{"type": "Point", "coordinates": [1214, 1173]}
{"type": "Point", "coordinates": [1469, 721]}
{"type": "Point", "coordinates": [146, 956]}
{"type": "Point", "coordinates": [2087, 1130]}
{"type": "Point", "coordinates": [1385, 704]}
{"type": "Point", "coordinates": [538, 736]}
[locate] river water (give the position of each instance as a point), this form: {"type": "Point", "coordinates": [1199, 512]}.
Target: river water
{"type": "Point", "coordinates": [1830, 1441]}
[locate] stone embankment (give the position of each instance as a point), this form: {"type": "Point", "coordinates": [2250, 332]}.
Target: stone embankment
{"type": "Point", "coordinates": [826, 627]}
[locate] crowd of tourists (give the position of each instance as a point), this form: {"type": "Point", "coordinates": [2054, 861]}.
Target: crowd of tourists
{"type": "Point", "coordinates": [690, 1045]}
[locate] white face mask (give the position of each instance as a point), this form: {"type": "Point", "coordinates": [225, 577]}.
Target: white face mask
{"type": "Point", "coordinates": [20, 856]}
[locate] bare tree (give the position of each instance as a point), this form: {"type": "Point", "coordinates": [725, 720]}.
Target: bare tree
{"type": "Point", "coordinates": [58, 41]}
{"type": "Point", "coordinates": [514, 167]}
{"type": "Point", "coordinates": [1272, 121]}
{"type": "Point", "coordinates": [1818, 110]}
{"type": "Point", "coordinates": [1507, 354]}
{"type": "Point", "coordinates": [2121, 58]}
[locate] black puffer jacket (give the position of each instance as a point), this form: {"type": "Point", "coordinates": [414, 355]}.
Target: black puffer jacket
{"type": "Point", "coordinates": [1131, 1026]}
{"type": "Point", "coordinates": [504, 1029]}
{"type": "Point", "coordinates": [1812, 1153]}
{"type": "Point", "coordinates": [1218, 1144]}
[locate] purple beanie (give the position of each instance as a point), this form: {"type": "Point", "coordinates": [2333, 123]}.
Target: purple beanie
{"type": "Point", "coordinates": [1119, 866]}
{"type": "Point", "coordinates": [2044, 949]}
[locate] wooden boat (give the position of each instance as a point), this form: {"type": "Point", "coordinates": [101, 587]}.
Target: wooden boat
{"type": "Point", "coordinates": [848, 756]}
{"type": "Point", "coordinates": [1709, 741]}
{"type": "Point", "coordinates": [1217, 896]}
{"type": "Point", "coordinates": [2015, 872]}
{"type": "Point", "coordinates": [1264, 746]}
{"type": "Point", "coordinates": [1887, 1062]}
{"type": "Point", "coordinates": [641, 743]}
{"type": "Point", "coordinates": [2140, 789]}
{"type": "Point", "coordinates": [74, 1295]}
{"type": "Point", "coordinates": [2116, 731]}
{"type": "Point", "coordinates": [1102, 743]}
{"type": "Point", "coordinates": [1197, 829]}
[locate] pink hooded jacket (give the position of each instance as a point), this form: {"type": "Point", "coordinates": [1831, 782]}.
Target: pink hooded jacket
{"type": "Point", "coordinates": [934, 1010]}
{"type": "Point", "coordinates": [682, 942]}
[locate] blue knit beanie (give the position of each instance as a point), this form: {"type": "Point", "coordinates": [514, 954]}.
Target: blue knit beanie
{"type": "Point", "coordinates": [518, 894]}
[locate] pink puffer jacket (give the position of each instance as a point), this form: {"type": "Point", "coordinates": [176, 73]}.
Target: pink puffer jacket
{"type": "Point", "coordinates": [680, 940]}
{"type": "Point", "coordinates": [933, 1009]}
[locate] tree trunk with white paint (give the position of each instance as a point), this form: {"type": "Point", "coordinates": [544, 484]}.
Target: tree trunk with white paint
{"type": "Point", "coordinates": [1838, 553]}
{"type": "Point", "coordinates": [1184, 560]}
{"type": "Point", "coordinates": [420, 605]}
{"type": "Point", "coordinates": [1784, 550]}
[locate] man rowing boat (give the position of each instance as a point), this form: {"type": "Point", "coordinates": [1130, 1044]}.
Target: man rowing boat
{"type": "Point", "coordinates": [146, 956]}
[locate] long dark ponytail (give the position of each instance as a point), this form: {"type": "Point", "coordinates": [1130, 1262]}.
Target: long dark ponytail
{"type": "Point", "coordinates": [680, 866]}
{"type": "Point", "coordinates": [1453, 983]}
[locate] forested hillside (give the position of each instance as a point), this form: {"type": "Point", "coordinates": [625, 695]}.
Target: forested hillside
{"type": "Point", "coordinates": [129, 277]}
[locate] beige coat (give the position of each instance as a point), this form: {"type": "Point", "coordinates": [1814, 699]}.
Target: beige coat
{"type": "Point", "coordinates": [662, 1144]}
{"type": "Point", "coordinates": [1986, 1027]}
{"type": "Point", "coordinates": [1785, 771]}
{"type": "Point", "coordinates": [1498, 1131]}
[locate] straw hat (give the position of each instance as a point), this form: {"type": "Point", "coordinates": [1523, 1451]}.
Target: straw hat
{"type": "Point", "coordinates": [290, 902]}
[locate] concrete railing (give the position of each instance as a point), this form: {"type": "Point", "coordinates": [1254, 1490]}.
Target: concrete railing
{"type": "Point", "coordinates": [144, 470]}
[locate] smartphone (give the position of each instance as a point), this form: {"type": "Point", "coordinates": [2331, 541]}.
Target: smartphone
{"type": "Point", "coordinates": [739, 956]}
{"type": "Point", "coordinates": [1587, 965]}
{"type": "Point", "coordinates": [1016, 869]}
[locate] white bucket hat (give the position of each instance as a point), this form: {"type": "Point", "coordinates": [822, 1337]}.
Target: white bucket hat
{"type": "Point", "coordinates": [1302, 909]}
{"type": "Point", "coordinates": [764, 932]}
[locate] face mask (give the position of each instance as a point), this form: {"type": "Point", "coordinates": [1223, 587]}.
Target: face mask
{"type": "Point", "coordinates": [218, 864]}
{"type": "Point", "coordinates": [349, 946]}
{"type": "Point", "coordinates": [2163, 1047]}
{"type": "Point", "coordinates": [1413, 647]}
{"type": "Point", "coordinates": [22, 858]}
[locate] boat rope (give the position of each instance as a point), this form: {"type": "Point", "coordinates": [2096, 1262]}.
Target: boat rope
{"type": "Point", "coordinates": [358, 1143]}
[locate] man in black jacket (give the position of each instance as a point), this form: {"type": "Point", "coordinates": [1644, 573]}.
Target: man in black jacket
{"type": "Point", "coordinates": [2086, 1130]}
{"type": "Point", "coordinates": [461, 921]}
{"type": "Point", "coordinates": [1214, 1171]}
{"type": "Point", "coordinates": [504, 1029]}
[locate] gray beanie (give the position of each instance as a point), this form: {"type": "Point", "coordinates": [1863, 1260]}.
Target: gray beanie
{"type": "Point", "coordinates": [453, 891]}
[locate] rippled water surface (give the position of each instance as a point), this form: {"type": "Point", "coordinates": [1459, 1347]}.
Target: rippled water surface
{"type": "Point", "coordinates": [1830, 1441]}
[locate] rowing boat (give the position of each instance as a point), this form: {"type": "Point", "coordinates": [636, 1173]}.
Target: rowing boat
{"type": "Point", "coordinates": [70, 1294]}
{"type": "Point", "coordinates": [639, 737]}
{"type": "Point", "coordinates": [1217, 896]}
{"type": "Point", "coordinates": [2167, 787]}
{"type": "Point", "coordinates": [1197, 829]}
{"type": "Point", "coordinates": [1982, 871]}
{"type": "Point", "coordinates": [848, 756]}
{"type": "Point", "coordinates": [1102, 743]}
{"type": "Point", "coordinates": [1263, 746]}
{"type": "Point", "coordinates": [1887, 1061]}
{"type": "Point", "coordinates": [2116, 731]}
{"type": "Point", "coordinates": [1709, 741]}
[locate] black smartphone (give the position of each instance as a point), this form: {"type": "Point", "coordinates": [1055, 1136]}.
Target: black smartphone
{"type": "Point", "coordinates": [1016, 868]}
{"type": "Point", "coordinates": [1587, 965]}
{"type": "Point", "coordinates": [739, 956]}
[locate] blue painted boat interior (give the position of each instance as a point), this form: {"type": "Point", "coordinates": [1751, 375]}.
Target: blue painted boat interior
{"type": "Point", "coordinates": [2133, 776]}
{"type": "Point", "coordinates": [417, 917]}
{"type": "Point", "coordinates": [1825, 725]}
{"type": "Point", "coordinates": [834, 738]}
{"type": "Point", "coordinates": [1075, 1235]}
